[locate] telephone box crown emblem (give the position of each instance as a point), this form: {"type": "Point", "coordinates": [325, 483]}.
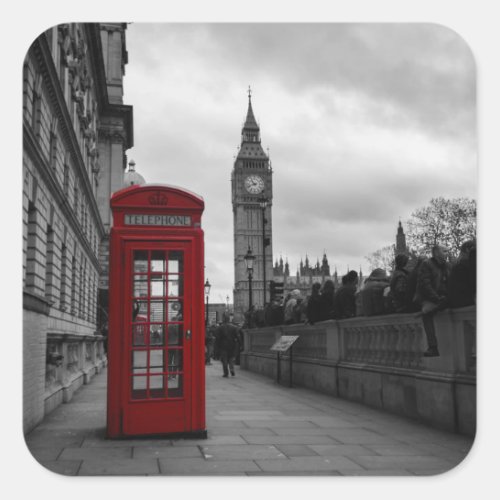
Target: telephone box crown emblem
{"type": "Point", "coordinates": [158, 199]}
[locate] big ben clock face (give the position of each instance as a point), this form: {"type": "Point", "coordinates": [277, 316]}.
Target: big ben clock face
{"type": "Point", "coordinates": [254, 184]}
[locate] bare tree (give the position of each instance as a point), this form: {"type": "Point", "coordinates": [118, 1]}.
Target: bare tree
{"type": "Point", "coordinates": [382, 258]}
{"type": "Point", "coordinates": [443, 222]}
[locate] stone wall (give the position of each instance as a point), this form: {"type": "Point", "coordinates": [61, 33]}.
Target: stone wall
{"type": "Point", "coordinates": [379, 361]}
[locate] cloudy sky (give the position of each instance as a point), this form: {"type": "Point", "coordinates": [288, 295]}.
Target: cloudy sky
{"type": "Point", "coordinates": [364, 123]}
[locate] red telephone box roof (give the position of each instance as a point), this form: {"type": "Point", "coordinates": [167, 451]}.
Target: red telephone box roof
{"type": "Point", "coordinates": [157, 196]}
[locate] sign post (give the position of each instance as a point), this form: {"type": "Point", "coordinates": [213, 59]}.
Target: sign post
{"type": "Point", "coordinates": [284, 343]}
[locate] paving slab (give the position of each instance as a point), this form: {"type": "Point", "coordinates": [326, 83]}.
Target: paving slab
{"type": "Point", "coordinates": [296, 450]}
{"type": "Point", "coordinates": [346, 450]}
{"type": "Point", "coordinates": [232, 452]}
{"type": "Point", "coordinates": [200, 466]}
{"type": "Point", "coordinates": [309, 464]}
{"type": "Point", "coordinates": [290, 439]}
{"type": "Point", "coordinates": [406, 462]}
{"type": "Point", "coordinates": [118, 467]}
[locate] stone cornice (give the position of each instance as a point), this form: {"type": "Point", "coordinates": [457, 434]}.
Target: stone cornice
{"type": "Point", "coordinates": [97, 63]}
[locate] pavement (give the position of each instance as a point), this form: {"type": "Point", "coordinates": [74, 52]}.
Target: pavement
{"type": "Point", "coordinates": [255, 428]}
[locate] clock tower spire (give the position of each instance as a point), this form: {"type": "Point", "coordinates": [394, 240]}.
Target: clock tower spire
{"type": "Point", "coordinates": [251, 186]}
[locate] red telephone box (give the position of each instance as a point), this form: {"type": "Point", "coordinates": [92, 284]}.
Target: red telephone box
{"type": "Point", "coordinates": [156, 344]}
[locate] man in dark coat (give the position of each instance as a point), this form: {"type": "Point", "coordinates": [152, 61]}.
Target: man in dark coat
{"type": "Point", "coordinates": [432, 287]}
{"type": "Point", "coordinates": [326, 301]}
{"type": "Point", "coordinates": [344, 303]}
{"type": "Point", "coordinates": [462, 281]}
{"type": "Point", "coordinates": [313, 305]}
{"type": "Point", "coordinates": [227, 345]}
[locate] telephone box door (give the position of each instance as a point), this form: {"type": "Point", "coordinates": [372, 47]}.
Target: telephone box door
{"type": "Point", "coordinates": [157, 337]}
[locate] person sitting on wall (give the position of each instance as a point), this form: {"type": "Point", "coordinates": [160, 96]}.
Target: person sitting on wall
{"type": "Point", "coordinates": [372, 294]}
{"type": "Point", "coordinates": [462, 281]}
{"type": "Point", "coordinates": [399, 284]}
{"type": "Point", "coordinates": [326, 301]}
{"type": "Point", "coordinates": [344, 299]}
{"type": "Point", "coordinates": [431, 294]}
{"type": "Point", "coordinates": [313, 308]}
{"type": "Point", "coordinates": [292, 308]}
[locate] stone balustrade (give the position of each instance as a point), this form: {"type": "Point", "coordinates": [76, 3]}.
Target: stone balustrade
{"type": "Point", "coordinates": [378, 361]}
{"type": "Point", "coordinates": [72, 360]}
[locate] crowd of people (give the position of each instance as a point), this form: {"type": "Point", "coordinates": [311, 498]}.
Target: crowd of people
{"type": "Point", "coordinates": [431, 285]}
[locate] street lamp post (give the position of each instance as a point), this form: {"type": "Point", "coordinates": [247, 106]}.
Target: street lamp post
{"type": "Point", "coordinates": [249, 258]}
{"type": "Point", "coordinates": [263, 205]}
{"type": "Point", "coordinates": [207, 293]}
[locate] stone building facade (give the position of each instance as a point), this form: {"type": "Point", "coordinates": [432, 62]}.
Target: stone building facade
{"type": "Point", "coordinates": [76, 130]}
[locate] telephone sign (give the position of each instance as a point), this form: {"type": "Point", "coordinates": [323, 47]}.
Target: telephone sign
{"type": "Point", "coordinates": [156, 358]}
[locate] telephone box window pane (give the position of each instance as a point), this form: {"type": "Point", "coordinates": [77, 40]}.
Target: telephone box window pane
{"type": "Point", "coordinates": [139, 359]}
{"type": "Point", "coordinates": [156, 361]}
{"type": "Point", "coordinates": [158, 285]}
{"type": "Point", "coordinates": [140, 286]}
{"type": "Point", "coordinates": [140, 261]}
{"type": "Point", "coordinates": [175, 386]}
{"type": "Point", "coordinates": [157, 311]}
{"type": "Point", "coordinates": [175, 288]}
{"type": "Point", "coordinates": [158, 264]}
{"type": "Point", "coordinates": [139, 387]}
{"type": "Point", "coordinates": [175, 262]}
{"type": "Point", "coordinates": [157, 386]}
{"type": "Point", "coordinates": [175, 334]}
{"type": "Point", "coordinates": [157, 335]}
{"type": "Point", "coordinates": [139, 334]}
{"type": "Point", "coordinates": [139, 311]}
{"type": "Point", "coordinates": [174, 361]}
{"type": "Point", "coordinates": [174, 310]}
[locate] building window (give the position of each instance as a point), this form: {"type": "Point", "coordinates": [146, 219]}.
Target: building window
{"type": "Point", "coordinates": [53, 145]}
{"type": "Point", "coordinates": [66, 174]}
{"type": "Point", "coordinates": [49, 265]}
{"type": "Point", "coordinates": [64, 277]}
{"type": "Point", "coordinates": [73, 286]}
{"type": "Point", "coordinates": [76, 200]}
{"type": "Point", "coordinates": [36, 104]}
{"type": "Point", "coordinates": [31, 281]}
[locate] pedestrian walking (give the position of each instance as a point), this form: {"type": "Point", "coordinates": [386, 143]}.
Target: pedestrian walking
{"type": "Point", "coordinates": [227, 345]}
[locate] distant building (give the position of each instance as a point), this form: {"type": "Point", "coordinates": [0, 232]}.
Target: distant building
{"type": "Point", "coordinates": [401, 247]}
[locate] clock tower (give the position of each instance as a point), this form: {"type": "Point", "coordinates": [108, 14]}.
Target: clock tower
{"type": "Point", "coordinates": [252, 194]}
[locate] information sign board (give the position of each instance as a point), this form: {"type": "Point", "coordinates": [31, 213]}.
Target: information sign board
{"type": "Point", "coordinates": [284, 343]}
